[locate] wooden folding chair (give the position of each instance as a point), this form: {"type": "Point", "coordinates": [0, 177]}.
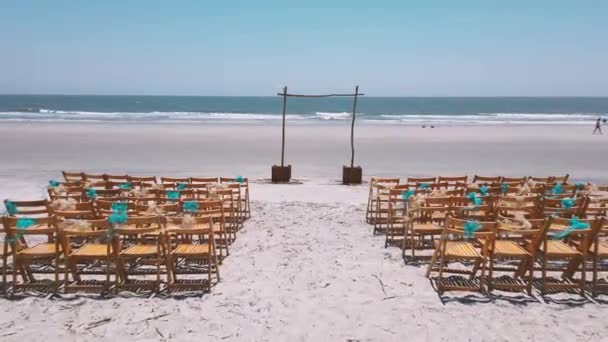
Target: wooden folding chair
{"type": "Point", "coordinates": [515, 243]}
{"type": "Point", "coordinates": [381, 211]}
{"type": "Point", "coordinates": [191, 250]}
{"type": "Point", "coordinates": [565, 244]}
{"type": "Point", "coordinates": [396, 218]}
{"type": "Point", "coordinates": [31, 258]}
{"type": "Point", "coordinates": [244, 184]}
{"type": "Point", "coordinates": [138, 253]}
{"type": "Point", "coordinates": [425, 223]}
{"type": "Point", "coordinates": [374, 187]}
{"type": "Point", "coordinates": [458, 243]}
{"type": "Point", "coordinates": [144, 181]}
{"type": "Point", "coordinates": [599, 252]}
{"type": "Point", "coordinates": [88, 255]}
{"type": "Point", "coordinates": [420, 180]}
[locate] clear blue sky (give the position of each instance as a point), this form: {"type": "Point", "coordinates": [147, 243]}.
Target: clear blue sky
{"type": "Point", "coordinates": [394, 48]}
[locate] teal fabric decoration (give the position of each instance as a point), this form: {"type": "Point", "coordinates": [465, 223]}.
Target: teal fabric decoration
{"type": "Point", "coordinates": [407, 194]}
{"type": "Point", "coordinates": [91, 193]}
{"type": "Point", "coordinates": [11, 208]}
{"type": "Point", "coordinates": [125, 186]}
{"type": "Point", "coordinates": [483, 190]}
{"type": "Point", "coordinates": [118, 218]}
{"type": "Point", "coordinates": [53, 183]}
{"type": "Point", "coordinates": [181, 186]}
{"type": "Point", "coordinates": [580, 186]}
{"type": "Point", "coordinates": [504, 188]}
{"type": "Point", "coordinates": [239, 179]}
{"type": "Point", "coordinates": [474, 198]}
{"type": "Point", "coordinates": [557, 189]}
{"type": "Point", "coordinates": [119, 207]}
{"type": "Point", "coordinates": [575, 224]}
{"type": "Point", "coordinates": [470, 227]}
{"type": "Point", "coordinates": [567, 203]}
{"type": "Point", "coordinates": [191, 206]}
{"type": "Point", "coordinates": [173, 195]}
{"type": "Point", "coordinates": [23, 223]}
{"type": "Point", "coordinates": [423, 186]}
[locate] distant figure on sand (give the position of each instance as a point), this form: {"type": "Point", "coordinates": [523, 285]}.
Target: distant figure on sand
{"type": "Point", "coordinates": [598, 126]}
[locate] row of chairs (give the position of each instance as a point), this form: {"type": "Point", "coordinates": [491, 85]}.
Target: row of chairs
{"type": "Point", "coordinates": [76, 183]}
{"type": "Point", "coordinates": [134, 235]}
{"type": "Point", "coordinates": [416, 219]}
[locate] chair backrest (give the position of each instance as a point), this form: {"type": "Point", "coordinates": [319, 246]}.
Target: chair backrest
{"type": "Point", "coordinates": [88, 230]}
{"type": "Point", "coordinates": [244, 180]}
{"type": "Point", "coordinates": [93, 177]}
{"type": "Point", "coordinates": [565, 207]}
{"type": "Point", "coordinates": [514, 180]}
{"type": "Point", "coordinates": [137, 225]}
{"type": "Point", "coordinates": [452, 180]}
{"type": "Point", "coordinates": [204, 180]}
{"type": "Point", "coordinates": [72, 176]}
{"type": "Point", "coordinates": [117, 178]}
{"type": "Point", "coordinates": [174, 180]}
{"type": "Point", "coordinates": [19, 225]}
{"type": "Point", "coordinates": [416, 180]}
{"type": "Point", "coordinates": [82, 210]}
{"type": "Point", "coordinates": [456, 226]}
{"type": "Point", "coordinates": [147, 180]}
{"type": "Point", "coordinates": [487, 179]}
{"type": "Point", "coordinates": [174, 196]}
{"type": "Point", "coordinates": [560, 179]}
{"type": "Point", "coordinates": [540, 180]}
{"type": "Point", "coordinates": [438, 202]}
{"type": "Point", "coordinates": [104, 208]}
{"type": "Point", "coordinates": [27, 208]}
{"type": "Point", "coordinates": [66, 192]}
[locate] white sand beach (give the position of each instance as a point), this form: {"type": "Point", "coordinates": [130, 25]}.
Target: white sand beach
{"type": "Point", "coordinates": [306, 267]}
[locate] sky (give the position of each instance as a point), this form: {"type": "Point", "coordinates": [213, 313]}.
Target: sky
{"type": "Point", "coordinates": [245, 47]}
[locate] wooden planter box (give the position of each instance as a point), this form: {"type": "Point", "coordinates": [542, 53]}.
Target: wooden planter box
{"type": "Point", "coordinates": [351, 175]}
{"type": "Point", "coordinates": [281, 174]}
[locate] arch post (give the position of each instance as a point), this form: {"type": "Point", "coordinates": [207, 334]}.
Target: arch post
{"type": "Point", "coordinates": [352, 174]}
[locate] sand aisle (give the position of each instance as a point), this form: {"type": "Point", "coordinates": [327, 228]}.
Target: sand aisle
{"type": "Point", "coordinates": [306, 271]}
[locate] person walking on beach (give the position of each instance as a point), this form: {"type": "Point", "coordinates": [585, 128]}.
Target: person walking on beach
{"type": "Point", "coordinates": [598, 126]}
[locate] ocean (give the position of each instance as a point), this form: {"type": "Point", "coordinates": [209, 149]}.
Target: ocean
{"type": "Point", "coordinates": [244, 109]}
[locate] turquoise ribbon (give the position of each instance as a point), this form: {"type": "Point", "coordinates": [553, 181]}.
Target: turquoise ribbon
{"type": "Point", "coordinates": [423, 186]}
{"type": "Point", "coordinates": [118, 218]}
{"type": "Point", "coordinates": [504, 188]}
{"type": "Point", "coordinates": [173, 195]}
{"type": "Point", "coordinates": [474, 199]}
{"type": "Point", "coordinates": [125, 186]}
{"type": "Point", "coordinates": [239, 179]}
{"type": "Point", "coordinates": [575, 224]}
{"type": "Point", "coordinates": [470, 227]}
{"type": "Point", "coordinates": [91, 193]}
{"type": "Point", "coordinates": [557, 189]}
{"type": "Point", "coordinates": [483, 190]}
{"type": "Point", "coordinates": [191, 206]}
{"type": "Point", "coordinates": [23, 223]}
{"type": "Point", "coordinates": [567, 203]}
{"type": "Point", "coordinates": [119, 207]}
{"type": "Point", "coordinates": [407, 194]}
{"type": "Point", "coordinates": [11, 208]}
{"type": "Point", "coordinates": [53, 183]}
{"type": "Point", "coordinates": [580, 186]}
{"type": "Point", "coordinates": [181, 186]}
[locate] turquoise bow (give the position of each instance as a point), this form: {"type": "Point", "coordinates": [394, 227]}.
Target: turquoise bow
{"type": "Point", "coordinates": [11, 208]}
{"type": "Point", "coordinates": [119, 217]}
{"type": "Point", "coordinates": [239, 179]}
{"type": "Point", "coordinates": [474, 199]}
{"type": "Point", "coordinates": [173, 195]}
{"type": "Point", "coordinates": [23, 223]}
{"type": "Point", "coordinates": [567, 203]}
{"type": "Point", "coordinates": [181, 186]}
{"type": "Point", "coordinates": [53, 183]}
{"type": "Point", "coordinates": [470, 227]}
{"type": "Point", "coordinates": [91, 193]}
{"type": "Point", "coordinates": [423, 186]}
{"type": "Point", "coordinates": [575, 224]}
{"type": "Point", "coordinates": [407, 194]}
{"type": "Point", "coordinates": [504, 187]}
{"type": "Point", "coordinates": [125, 186]}
{"type": "Point", "coordinates": [119, 207]}
{"type": "Point", "coordinates": [580, 186]}
{"type": "Point", "coordinates": [191, 206]}
{"type": "Point", "coordinates": [483, 190]}
{"type": "Point", "coordinates": [557, 189]}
